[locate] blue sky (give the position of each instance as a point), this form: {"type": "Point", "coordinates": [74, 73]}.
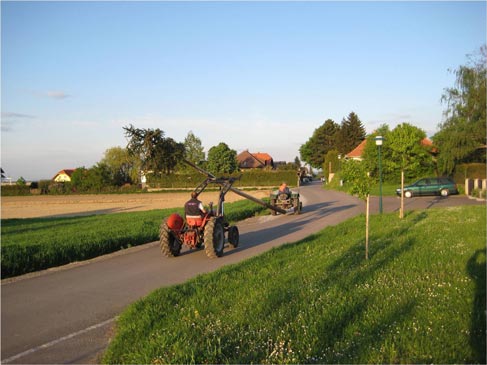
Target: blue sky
{"type": "Point", "coordinates": [255, 75]}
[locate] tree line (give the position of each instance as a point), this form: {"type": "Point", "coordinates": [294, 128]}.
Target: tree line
{"type": "Point", "coordinates": [149, 152]}
{"type": "Point", "coordinates": [461, 137]}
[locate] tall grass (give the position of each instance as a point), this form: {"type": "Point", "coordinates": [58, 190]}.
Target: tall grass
{"type": "Point", "coordinates": [420, 298]}
{"type": "Point", "coordinates": [40, 243]}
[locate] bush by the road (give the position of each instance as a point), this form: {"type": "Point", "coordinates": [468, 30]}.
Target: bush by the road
{"type": "Point", "coordinates": [420, 298]}
{"type": "Point", "coordinates": [39, 243]}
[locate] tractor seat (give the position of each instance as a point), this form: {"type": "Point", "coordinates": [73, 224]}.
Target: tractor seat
{"type": "Point", "coordinates": [194, 221]}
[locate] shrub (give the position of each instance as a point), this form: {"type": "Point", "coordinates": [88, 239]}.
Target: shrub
{"type": "Point", "coordinates": [479, 193]}
{"type": "Point", "coordinates": [15, 190]}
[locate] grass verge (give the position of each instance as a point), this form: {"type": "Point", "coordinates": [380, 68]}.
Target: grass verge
{"type": "Point", "coordinates": [420, 298]}
{"type": "Point", "coordinates": [39, 243]}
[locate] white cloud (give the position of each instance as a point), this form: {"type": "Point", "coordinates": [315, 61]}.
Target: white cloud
{"type": "Point", "coordinates": [57, 95]}
{"type": "Point", "coordinates": [50, 94]}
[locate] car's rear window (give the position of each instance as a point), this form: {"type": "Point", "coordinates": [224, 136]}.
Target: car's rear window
{"type": "Point", "coordinates": [445, 181]}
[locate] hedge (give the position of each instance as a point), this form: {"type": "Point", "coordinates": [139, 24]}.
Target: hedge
{"type": "Point", "coordinates": [248, 178]}
{"type": "Point", "coordinates": [470, 170]}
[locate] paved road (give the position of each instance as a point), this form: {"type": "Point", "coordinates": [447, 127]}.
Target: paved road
{"type": "Point", "coordinates": [67, 315]}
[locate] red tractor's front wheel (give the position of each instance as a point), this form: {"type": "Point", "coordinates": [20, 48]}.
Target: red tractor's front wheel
{"type": "Point", "coordinates": [233, 236]}
{"type": "Point", "coordinates": [170, 245]}
{"type": "Point", "coordinates": [214, 238]}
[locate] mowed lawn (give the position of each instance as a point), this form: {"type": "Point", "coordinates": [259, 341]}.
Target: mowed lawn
{"type": "Point", "coordinates": [420, 298]}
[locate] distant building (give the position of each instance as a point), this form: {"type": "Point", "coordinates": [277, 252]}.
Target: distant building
{"type": "Point", "coordinates": [63, 175]}
{"type": "Point", "coordinates": [247, 160]}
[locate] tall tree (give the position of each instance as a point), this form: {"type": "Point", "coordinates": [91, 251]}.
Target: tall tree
{"type": "Point", "coordinates": [332, 163]}
{"type": "Point", "coordinates": [95, 178]}
{"type": "Point", "coordinates": [222, 159]}
{"type": "Point", "coordinates": [297, 162]}
{"type": "Point", "coordinates": [156, 153]}
{"type": "Point", "coordinates": [358, 182]}
{"type": "Point", "coordinates": [463, 131]}
{"type": "Point", "coordinates": [370, 154]}
{"type": "Point", "coordinates": [351, 133]}
{"type": "Point", "coordinates": [322, 141]}
{"type": "Point", "coordinates": [408, 153]}
{"type": "Point", "coordinates": [123, 167]}
{"type": "Point", "coordinates": [194, 149]}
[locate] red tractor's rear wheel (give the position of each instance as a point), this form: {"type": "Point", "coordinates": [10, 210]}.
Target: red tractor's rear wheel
{"type": "Point", "coordinates": [170, 245]}
{"type": "Point", "coordinates": [214, 238]}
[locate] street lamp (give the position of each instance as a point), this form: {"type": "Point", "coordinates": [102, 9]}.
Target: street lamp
{"type": "Point", "coordinates": [378, 142]}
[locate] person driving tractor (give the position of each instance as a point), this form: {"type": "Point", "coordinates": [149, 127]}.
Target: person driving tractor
{"type": "Point", "coordinates": [283, 189]}
{"type": "Point", "coordinates": [194, 208]}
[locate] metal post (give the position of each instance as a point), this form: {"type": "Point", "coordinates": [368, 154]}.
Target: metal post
{"type": "Point", "coordinates": [380, 181]}
{"type": "Point", "coordinates": [378, 142]}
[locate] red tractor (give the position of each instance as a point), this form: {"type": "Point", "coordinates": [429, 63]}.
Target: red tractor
{"type": "Point", "coordinates": [208, 230]}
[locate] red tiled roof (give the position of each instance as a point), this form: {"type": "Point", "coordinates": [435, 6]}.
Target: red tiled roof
{"type": "Point", "coordinates": [68, 172]}
{"type": "Point", "coordinates": [357, 151]}
{"type": "Point", "coordinates": [426, 142]}
{"type": "Point", "coordinates": [262, 156]}
{"type": "Point", "coordinates": [253, 160]}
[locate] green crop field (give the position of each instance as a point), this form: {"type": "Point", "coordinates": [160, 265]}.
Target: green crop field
{"type": "Point", "coordinates": [40, 243]}
{"type": "Point", "coordinates": [420, 298]}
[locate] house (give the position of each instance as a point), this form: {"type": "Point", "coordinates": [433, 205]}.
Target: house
{"type": "Point", "coordinates": [247, 160]}
{"type": "Point", "coordinates": [426, 142]}
{"type": "Point", "coordinates": [63, 175]}
{"type": "Point", "coordinates": [356, 153]}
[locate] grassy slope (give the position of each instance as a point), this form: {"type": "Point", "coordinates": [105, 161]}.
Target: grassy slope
{"type": "Point", "coordinates": [420, 298]}
{"type": "Point", "coordinates": [39, 243]}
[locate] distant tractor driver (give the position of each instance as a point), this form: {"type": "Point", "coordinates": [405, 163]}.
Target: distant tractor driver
{"type": "Point", "coordinates": [193, 207]}
{"type": "Point", "coordinates": [283, 189]}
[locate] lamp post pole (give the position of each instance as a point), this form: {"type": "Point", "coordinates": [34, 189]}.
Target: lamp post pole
{"type": "Point", "coordinates": [378, 142]}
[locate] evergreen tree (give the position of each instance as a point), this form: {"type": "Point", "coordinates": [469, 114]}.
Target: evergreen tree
{"type": "Point", "coordinates": [351, 133]}
{"type": "Point", "coordinates": [297, 162]}
{"type": "Point", "coordinates": [155, 151]}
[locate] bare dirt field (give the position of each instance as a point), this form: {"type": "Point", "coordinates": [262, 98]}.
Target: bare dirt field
{"type": "Point", "coordinates": [73, 205]}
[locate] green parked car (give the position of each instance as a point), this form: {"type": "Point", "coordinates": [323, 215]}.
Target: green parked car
{"type": "Point", "coordinates": [443, 186]}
